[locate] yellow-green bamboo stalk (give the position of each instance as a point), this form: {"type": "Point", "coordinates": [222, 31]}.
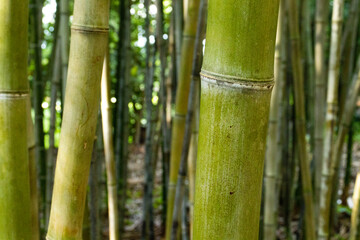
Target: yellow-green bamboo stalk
{"type": "Point", "coordinates": [274, 147]}
{"type": "Point", "coordinates": [109, 152]}
{"type": "Point", "coordinates": [35, 228]}
{"type": "Point", "coordinates": [64, 41]}
{"type": "Point", "coordinates": [320, 75]}
{"type": "Point", "coordinates": [355, 214]}
{"type": "Point", "coordinates": [182, 94]}
{"type": "Point", "coordinates": [87, 51]}
{"type": "Point", "coordinates": [331, 116]}
{"type": "Point", "coordinates": [15, 203]}
{"type": "Point", "coordinates": [300, 120]}
{"type": "Point", "coordinates": [237, 78]}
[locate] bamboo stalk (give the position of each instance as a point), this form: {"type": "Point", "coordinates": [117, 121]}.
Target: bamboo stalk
{"type": "Point", "coordinates": [121, 125]}
{"type": "Point", "coordinates": [182, 93]}
{"type": "Point", "coordinates": [320, 75]}
{"type": "Point", "coordinates": [331, 117]}
{"type": "Point", "coordinates": [355, 214]}
{"type": "Point", "coordinates": [195, 77]}
{"type": "Point", "coordinates": [300, 120]}
{"type": "Point", "coordinates": [34, 197]}
{"type": "Point", "coordinates": [273, 151]}
{"type": "Point", "coordinates": [15, 202]}
{"type": "Point", "coordinates": [109, 152]}
{"type": "Point", "coordinates": [347, 177]}
{"type": "Point", "coordinates": [51, 155]}
{"type": "Point", "coordinates": [88, 47]}
{"type": "Point", "coordinates": [236, 83]}
{"type": "Point", "coordinates": [64, 42]}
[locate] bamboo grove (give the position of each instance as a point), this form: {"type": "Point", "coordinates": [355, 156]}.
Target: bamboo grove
{"type": "Point", "coordinates": [179, 119]}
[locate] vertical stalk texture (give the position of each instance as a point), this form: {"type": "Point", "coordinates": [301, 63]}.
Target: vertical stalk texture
{"type": "Point", "coordinates": [273, 151]}
{"type": "Point", "coordinates": [195, 77]}
{"type": "Point", "coordinates": [15, 203]}
{"type": "Point", "coordinates": [64, 41]}
{"type": "Point", "coordinates": [111, 180]}
{"type": "Point", "coordinates": [87, 51]}
{"type": "Point", "coordinates": [237, 79]}
{"type": "Point", "coordinates": [122, 111]}
{"type": "Point", "coordinates": [182, 94]}
{"type": "Point", "coordinates": [148, 225]}
{"type": "Point", "coordinates": [320, 74]}
{"type": "Point", "coordinates": [298, 76]}
{"type": "Point", "coordinates": [331, 117]}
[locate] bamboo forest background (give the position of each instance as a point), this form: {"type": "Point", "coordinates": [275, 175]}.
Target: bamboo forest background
{"type": "Point", "coordinates": [144, 158]}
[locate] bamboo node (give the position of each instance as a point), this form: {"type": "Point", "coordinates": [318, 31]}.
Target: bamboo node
{"type": "Point", "coordinates": [12, 95]}
{"type": "Point", "coordinates": [237, 82]}
{"type": "Point", "coordinates": [89, 28]}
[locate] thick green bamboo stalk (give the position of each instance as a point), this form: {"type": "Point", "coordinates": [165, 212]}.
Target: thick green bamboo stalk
{"type": "Point", "coordinates": [331, 117]}
{"type": "Point", "coordinates": [88, 47]}
{"type": "Point", "coordinates": [15, 203]}
{"type": "Point", "coordinates": [320, 75]}
{"type": "Point", "coordinates": [274, 142]}
{"type": "Point", "coordinates": [355, 214]}
{"type": "Point", "coordinates": [237, 78]}
{"type": "Point", "coordinates": [34, 197]}
{"type": "Point", "coordinates": [182, 94]}
{"type": "Point", "coordinates": [300, 120]}
{"type": "Point", "coordinates": [109, 152]}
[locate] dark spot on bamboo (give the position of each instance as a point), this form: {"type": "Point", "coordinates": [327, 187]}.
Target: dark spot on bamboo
{"type": "Point", "coordinates": [231, 126]}
{"type": "Point", "coordinates": [231, 193]}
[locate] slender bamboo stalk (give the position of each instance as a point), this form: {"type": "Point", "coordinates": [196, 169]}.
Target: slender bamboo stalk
{"type": "Point", "coordinates": [273, 151]}
{"type": "Point", "coordinates": [331, 117]}
{"type": "Point", "coordinates": [235, 98]}
{"type": "Point", "coordinates": [182, 93]}
{"type": "Point", "coordinates": [15, 203]}
{"type": "Point", "coordinates": [34, 197]}
{"type": "Point", "coordinates": [300, 119]}
{"type": "Point", "coordinates": [355, 214]}
{"type": "Point", "coordinates": [347, 52]}
{"type": "Point", "coordinates": [195, 77]}
{"type": "Point", "coordinates": [109, 152]}
{"type": "Point", "coordinates": [122, 110]}
{"type": "Point", "coordinates": [38, 95]}
{"type": "Point", "coordinates": [347, 177]}
{"type": "Point", "coordinates": [64, 41]}
{"type": "Point", "coordinates": [148, 225]}
{"type": "Point", "coordinates": [320, 75]}
{"type": "Point", "coordinates": [88, 47]}
{"type": "Point", "coordinates": [51, 155]}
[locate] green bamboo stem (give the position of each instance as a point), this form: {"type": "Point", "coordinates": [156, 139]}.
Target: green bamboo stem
{"type": "Point", "coordinates": [307, 40]}
{"type": "Point", "coordinates": [320, 79]}
{"type": "Point", "coordinates": [182, 94]}
{"type": "Point", "coordinates": [331, 117]}
{"type": "Point", "coordinates": [347, 52]}
{"type": "Point", "coordinates": [38, 95]}
{"type": "Point", "coordinates": [237, 78]}
{"type": "Point", "coordinates": [355, 214]}
{"type": "Point", "coordinates": [50, 160]}
{"type": "Point", "coordinates": [195, 77]}
{"type": "Point", "coordinates": [178, 6]}
{"type": "Point", "coordinates": [300, 119]}
{"type": "Point", "coordinates": [15, 203]}
{"type": "Point", "coordinates": [111, 180]}
{"type": "Point", "coordinates": [64, 42]}
{"type": "Point", "coordinates": [274, 142]}
{"type": "Point", "coordinates": [88, 47]}
{"type": "Point", "coordinates": [34, 197]}
{"type": "Point", "coordinates": [122, 111]}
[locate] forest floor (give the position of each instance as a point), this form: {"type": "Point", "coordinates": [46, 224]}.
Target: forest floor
{"type": "Point", "coordinates": [134, 210]}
